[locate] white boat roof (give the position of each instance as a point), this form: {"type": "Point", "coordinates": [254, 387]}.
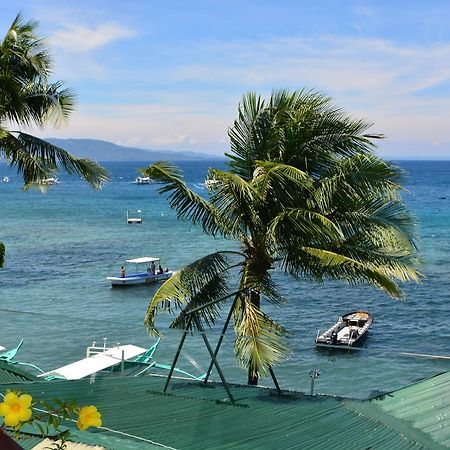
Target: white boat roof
{"type": "Point", "coordinates": [145, 259]}
{"type": "Point", "coordinates": [93, 364]}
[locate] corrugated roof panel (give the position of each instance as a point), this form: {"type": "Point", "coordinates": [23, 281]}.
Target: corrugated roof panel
{"type": "Point", "coordinates": [11, 373]}
{"type": "Point", "coordinates": [192, 416]}
{"type": "Point", "coordinates": [425, 405]}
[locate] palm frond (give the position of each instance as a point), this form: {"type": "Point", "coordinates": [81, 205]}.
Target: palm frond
{"type": "Point", "coordinates": [198, 283]}
{"type": "Point", "coordinates": [235, 199]}
{"type": "Point", "coordinates": [187, 204]}
{"type": "Point", "coordinates": [338, 266]}
{"type": "Point", "coordinates": [298, 224]}
{"type": "Point", "coordinates": [260, 341]}
{"type": "Point", "coordinates": [36, 159]}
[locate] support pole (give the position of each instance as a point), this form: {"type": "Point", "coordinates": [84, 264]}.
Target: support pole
{"type": "Point", "coordinates": [177, 354]}
{"type": "Point", "coordinates": [219, 342]}
{"type": "Point", "coordinates": [275, 382]}
{"type": "Point", "coordinates": [219, 370]}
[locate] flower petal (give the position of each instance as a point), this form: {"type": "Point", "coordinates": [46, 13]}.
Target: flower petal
{"type": "Point", "coordinates": [24, 414]}
{"type": "Point", "coordinates": [12, 420]}
{"type": "Point", "coordinates": [25, 400]}
{"type": "Point", "coordinates": [95, 422]}
{"type": "Point", "coordinates": [11, 398]}
{"type": "Point", "coordinates": [82, 425]}
{"type": "Point", "coordinates": [4, 409]}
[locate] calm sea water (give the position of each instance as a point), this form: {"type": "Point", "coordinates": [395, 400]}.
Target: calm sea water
{"type": "Point", "coordinates": [61, 246]}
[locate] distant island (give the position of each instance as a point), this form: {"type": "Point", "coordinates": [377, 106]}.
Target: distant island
{"type": "Point", "coordinates": [107, 151]}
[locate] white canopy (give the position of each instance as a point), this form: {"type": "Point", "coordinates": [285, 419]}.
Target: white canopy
{"type": "Point", "coordinates": [93, 364]}
{"type": "Point", "coordinates": [145, 259]}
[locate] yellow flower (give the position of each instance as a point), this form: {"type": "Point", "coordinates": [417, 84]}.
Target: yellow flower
{"type": "Point", "coordinates": [15, 409]}
{"type": "Point", "coordinates": [89, 417]}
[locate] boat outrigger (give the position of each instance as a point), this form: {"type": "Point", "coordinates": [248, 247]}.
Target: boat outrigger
{"type": "Point", "coordinates": [104, 360]}
{"type": "Point", "coordinates": [350, 330]}
{"type": "Point", "coordinates": [146, 270]}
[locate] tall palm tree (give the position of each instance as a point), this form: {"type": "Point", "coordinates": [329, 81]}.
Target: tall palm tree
{"type": "Point", "coordinates": [304, 194]}
{"type": "Point", "coordinates": [28, 98]}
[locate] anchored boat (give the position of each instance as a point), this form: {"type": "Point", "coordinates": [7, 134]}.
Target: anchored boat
{"type": "Point", "coordinates": [142, 180]}
{"type": "Point", "coordinates": [143, 270]}
{"type": "Point", "coordinates": [350, 330]}
{"type": "Point", "coordinates": [136, 219]}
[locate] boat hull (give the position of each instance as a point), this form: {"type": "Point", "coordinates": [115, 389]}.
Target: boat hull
{"type": "Point", "coordinates": [138, 278]}
{"type": "Point", "coordinates": [349, 332]}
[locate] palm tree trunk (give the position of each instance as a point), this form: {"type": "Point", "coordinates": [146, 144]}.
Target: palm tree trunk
{"type": "Point", "coordinates": [255, 299]}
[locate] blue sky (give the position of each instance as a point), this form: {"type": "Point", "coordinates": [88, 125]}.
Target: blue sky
{"type": "Point", "coordinates": [170, 74]}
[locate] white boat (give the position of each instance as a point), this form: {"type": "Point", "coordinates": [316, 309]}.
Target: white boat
{"type": "Point", "coordinates": [5, 179]}
{"type": "Point", "coordinates": [105, 360]}
{"type": "Point", "coordinates": [143, 270]}
{"type": "Point", "coordinates": [350, 330]}
{"type": "Point", "coordinates": [50, 181]}
{"type": "Point", "coordinates": [210, 183]}
{"type": "Point", "coordinates": [142, 180]}
{"type": "Point", "coordinates": [137, 219]}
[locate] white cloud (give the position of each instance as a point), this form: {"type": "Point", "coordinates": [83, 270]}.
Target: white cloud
{"type": "Point", "coordinates": [80, 38]}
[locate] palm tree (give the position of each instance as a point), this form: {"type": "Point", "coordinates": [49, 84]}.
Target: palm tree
{"type": "Point", "coordinates": [304, 194]}
{"type": "Point", "coordinates": [28, 98]}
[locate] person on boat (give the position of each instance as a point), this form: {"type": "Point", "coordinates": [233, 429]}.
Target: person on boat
{"type": "Point", "coordinates": [122, 272]}
{"type": "Point", "coordinates": [153, 268]}
{"type": "Point", "coordinates": [334, 337]}
{"type": "Point", "coordinates": [160, 270]}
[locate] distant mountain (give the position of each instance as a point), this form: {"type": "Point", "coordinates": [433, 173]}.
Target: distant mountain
{"type": "Point", "coordinates": [107, 151]}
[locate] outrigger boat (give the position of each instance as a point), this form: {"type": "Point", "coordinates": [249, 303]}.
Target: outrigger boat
{"type": "Point", "coordinates": [349, 331]}
{"type": "Point", "coordinates": [104, 360]}
{"type": "Point", "coordinates": [145, 271]}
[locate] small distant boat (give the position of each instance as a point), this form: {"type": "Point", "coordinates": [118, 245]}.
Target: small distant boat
{"type": "Point", "coordinates": [135, 219]}
{"type": "Point", "coordinates": [210, 183]}
{"type": "Point", "coordinates": [5, 179]}
{"type": "Point", "coordinates": [350, 330]}
{"type": "Point", "coordinates": [50, 181]}
{"type": "Point", "coordinates": [145, 270]}
{"type": "Point", "coordinates": [142, 180]}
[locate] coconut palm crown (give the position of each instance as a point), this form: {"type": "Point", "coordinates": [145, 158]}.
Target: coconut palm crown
{"type": "Point", "coordinates": [304, 194]}
{"type": "Point", "coordinates": [28, 98]}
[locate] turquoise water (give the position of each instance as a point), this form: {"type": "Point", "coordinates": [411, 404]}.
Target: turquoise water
{"type": "Point", "coordinates": [61, 246]}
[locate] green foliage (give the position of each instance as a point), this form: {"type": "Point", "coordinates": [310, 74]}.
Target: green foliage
{"type": "Point", "coordinates": [28, 98]}
{"type": "Point", "coordinates": [304, 193]}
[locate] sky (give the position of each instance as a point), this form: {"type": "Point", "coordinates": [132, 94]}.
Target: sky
{"type": "Point", "coordinates": [171, 74]}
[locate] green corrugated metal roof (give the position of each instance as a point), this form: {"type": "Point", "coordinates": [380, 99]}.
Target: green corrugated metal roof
{"type": "Point", "coordinates": [11, 373]}
{"type": "Point", "coordinates": [193, 416]}
{"type": "Point", "coordinates": [425, 405]}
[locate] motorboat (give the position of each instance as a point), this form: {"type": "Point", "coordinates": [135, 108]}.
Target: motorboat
{"type": "Point", "coordinates": [350, 330]}
{"type": "Point", "coordinates": [49, 181]}
{"type": "Point", "coordinates": [5, 179]}
{"type": "Point", "coordinates": [140, 271]}
{"type": "Point", "coordinates": [142, 180]}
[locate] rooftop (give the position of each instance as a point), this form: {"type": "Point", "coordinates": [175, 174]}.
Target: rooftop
{"type": "Point", "coordinates": [191, 415]}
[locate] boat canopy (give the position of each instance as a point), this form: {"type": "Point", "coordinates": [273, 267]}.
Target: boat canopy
{"type": "Point", "coordinates": [145, 259]}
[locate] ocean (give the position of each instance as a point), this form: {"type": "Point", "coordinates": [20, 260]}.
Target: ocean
{"type": "Point", "coordinates": [62, 245]}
